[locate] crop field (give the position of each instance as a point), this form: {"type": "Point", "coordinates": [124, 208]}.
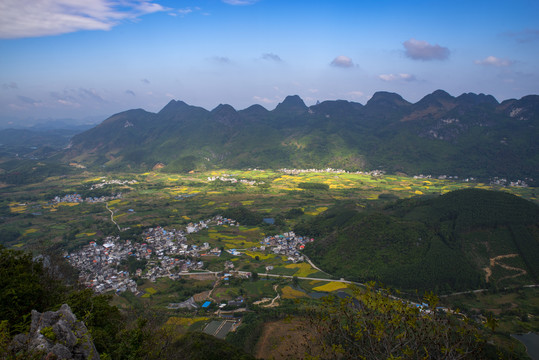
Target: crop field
{"type": "Point", "coordinates": [31, 220]}
{"type": "Point", "coordinates": [331, 286]}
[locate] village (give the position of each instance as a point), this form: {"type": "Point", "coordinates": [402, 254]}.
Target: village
{"type": "Point", "coordinates": [77, 198]}
{"type": "Point", "coordinates": [228, 178]}
{"type": "Point", "coordinates": [165, 253]}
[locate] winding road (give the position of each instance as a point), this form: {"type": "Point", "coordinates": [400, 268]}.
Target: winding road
{"type": "Point", "coordinates": [112, 217]}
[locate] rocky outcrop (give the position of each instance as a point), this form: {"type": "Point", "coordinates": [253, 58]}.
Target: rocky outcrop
{"type": "Point", "coordinates": [56, 335]}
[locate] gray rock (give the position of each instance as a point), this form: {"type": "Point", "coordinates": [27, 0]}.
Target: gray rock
{"type": "Point", "coordinates": [63, 331]}
{"type": "Point", "coordinates": [56, 334]}
{"type": "Point", "coordinates": [61, 351]}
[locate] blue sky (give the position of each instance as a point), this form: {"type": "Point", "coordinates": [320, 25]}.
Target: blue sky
{"type": "Point", "coordinates": [93, 58]}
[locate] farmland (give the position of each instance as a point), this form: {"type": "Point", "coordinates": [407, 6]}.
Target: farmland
{"type": "Point", "coordinates": [31, 221]}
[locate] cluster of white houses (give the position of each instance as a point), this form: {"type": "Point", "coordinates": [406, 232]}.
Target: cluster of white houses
{"type": "Point", "coordinates": [166, 253]}
{"type": "Point", "coordinates": [112, 182]}
{"type": "Point", "coordinates": [77, 198]}
{"type": "Point", "coordinates": [287, 244]}
{"type": "Point", "coordinates": [163, 253]}
{"type": "Point", "coordinates": [233, 180]}
{"type": "Point", "coordinates": [375, 173]}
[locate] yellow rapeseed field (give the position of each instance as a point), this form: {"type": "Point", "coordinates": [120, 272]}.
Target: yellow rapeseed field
{"type": "Point", "coordinates": [331, 286]}
{"type": "Point", "coordinates": [304, 269]}
{"type": "Point", "coordinates": [291, 293]}
{"type": "Point", "coordinates": [260, 255]}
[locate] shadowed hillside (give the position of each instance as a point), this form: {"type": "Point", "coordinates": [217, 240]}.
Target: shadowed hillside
{"type": "Point", "coordinates": [466, 239]}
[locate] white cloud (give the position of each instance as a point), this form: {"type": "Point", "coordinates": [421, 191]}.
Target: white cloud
{"type": "Point", "coordinates": [342, 61]}
{"type": "Point", "coordinates": [264, 100]}
{"type": "Point", "coordinates": [240, 2]}
{"type": "Point", "coordinates": [30, 18]}
{"type": "Point", "coordinates": [185, 11]}
{"type": "Point", "coordinates": [422, 50]}
{"type": "Point", "coordinates": [356, 94]}
{"type": "Point", "coordinates": [396, 77]}
{"type": "Point", "coordinates": [494, 61]}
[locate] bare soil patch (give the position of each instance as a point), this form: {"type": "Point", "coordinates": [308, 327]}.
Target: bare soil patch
{"type": "Point", "coordinates": [285, 339]}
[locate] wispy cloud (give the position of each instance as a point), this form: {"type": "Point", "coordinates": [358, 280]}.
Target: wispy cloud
{"type": "Point", "coordinates": [74, 96]}
{"type": "Point", "coordinates": [422, 50]}
{"type": "Point", "coordinates": [90, 94]}
{"type": "Point", "coordinates": [271, 57]}
{"type": "Point", "coordinates": [30, 18]}
{"type": "Point", "coordinates": [130, 92]}
{"type": "Point", "coordinates": [397, 77]}
{"type": "Point", "coordinates": [29, 101]}
{"type": "Point", "coordinates": [525, 36]}
{"type": "Point", "coordinates": [356, 94]}
{"type": "Point", "coordinates": [145, 81]}
{"type": "Point", "coordinates": [264, 100]}
{"type": "Point", "coordinates": [240, 2]}
{"type": "Point", "coordinates": [342, 61]}
{"type": "Point", "coordinates": [185, 11]}
{"type": "Point", "coordinates": [220, 59]}
{"type": "Point", "coordinates": [494, 61]}
{"type": "Point", "coordinates": [9, 86]}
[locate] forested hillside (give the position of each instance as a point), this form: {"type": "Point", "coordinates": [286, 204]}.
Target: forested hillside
{"type": "Point", "coordinates": [469, 135]}
{"type": "Point", "coordinates": [444, 243]}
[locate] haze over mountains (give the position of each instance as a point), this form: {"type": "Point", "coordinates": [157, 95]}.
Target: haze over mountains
{"type": "Point", "coordinates": [468, 135]}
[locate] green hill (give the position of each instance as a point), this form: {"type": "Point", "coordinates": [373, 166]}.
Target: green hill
{"type": "Point", "coordinates": [465, 239]}
{"type": "Point", "coordinates": [469, 135]}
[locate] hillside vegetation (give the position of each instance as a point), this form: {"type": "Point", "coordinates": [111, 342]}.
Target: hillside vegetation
{"type": "Point", "coordinates": [445, 243]}
{"type": "Point", "coordinates": [469, 135]}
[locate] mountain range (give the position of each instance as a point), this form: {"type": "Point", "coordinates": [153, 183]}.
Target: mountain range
{"type": "Point", "coordinates": [468, 135]}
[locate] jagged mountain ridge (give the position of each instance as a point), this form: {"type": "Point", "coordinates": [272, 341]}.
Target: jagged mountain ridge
{"type": "Point", "coordinates": [468, 135]}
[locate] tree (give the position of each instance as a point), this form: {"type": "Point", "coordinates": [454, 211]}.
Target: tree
{"type": "Point", "coordinates": [373, 325]}
{"type": "Point", "coordinates": [25, 285]}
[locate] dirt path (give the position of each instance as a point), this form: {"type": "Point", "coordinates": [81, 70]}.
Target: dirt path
{"type": "Point", "coordinates": [494, 261]}
{"type": "Point", "coordinates": [112, 216]}
{"type": "Point", "coordinates": [273, 301]}
{"type": "Point", "coordinates": [217, 282]}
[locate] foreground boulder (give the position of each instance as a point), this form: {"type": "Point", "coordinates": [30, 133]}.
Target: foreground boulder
{"type": "Point", "coordinates": [56, 335]}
